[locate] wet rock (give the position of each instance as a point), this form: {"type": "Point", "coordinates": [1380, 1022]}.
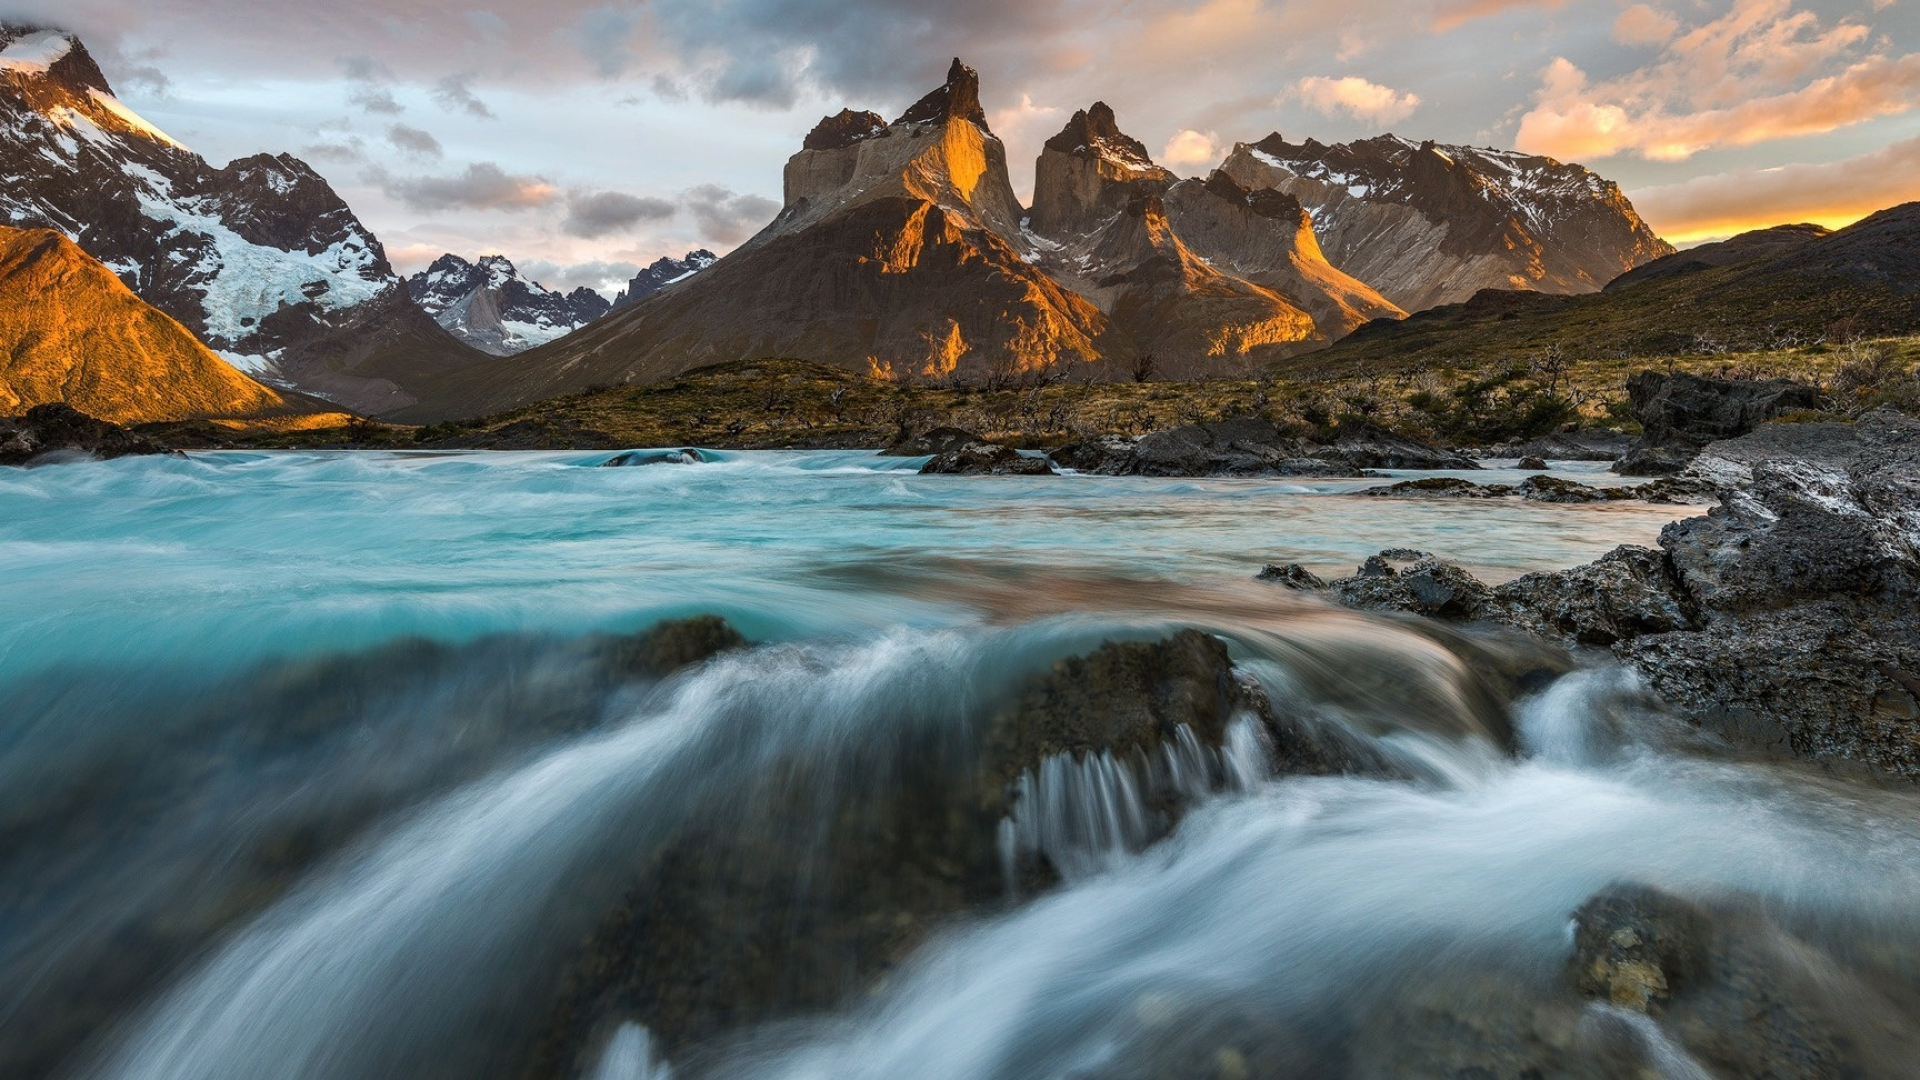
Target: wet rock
{"type": "Point", "coordinates": [1371, 447]}
{"type": "Point", "coordinates": [1743, 996]}
{"type": "Point", "coordinates": [635, 458]}
{"type": "Point", "coordinates": [1553, 489]}
{"type": "Point", "coordinates": [1680, 413]}
{"type": "Point", "coordinates": [1105, 455]}
{"type": "Point", "coordinates": [985, 459]}
{"type": "Point", "coordinates": [1632, 945]}
{"type": "Point", "coordinates": [55, 429]}
{"type": "Point", "coordinates": [1439, 487]}
{"type": "Point", "coordinates": [1829, 681]}
{"type": "Point", "coordinates": [1293, 576]}
{"type": "Point", "coordinates": [1628, 593]}
{"type": "Point", "coordinates": [1429, 586]}
{"type": "Point", "coordinates": [671, 645]}
{"type": "Point", "coordinates": [863, 854]}
{"type": "Point", "coordinates": [1532, 463]}
{"type": "Point", "coordinates": [940, 440]}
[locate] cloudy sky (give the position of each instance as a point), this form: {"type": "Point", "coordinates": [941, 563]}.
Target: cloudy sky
{"type": "Point", "coordinates": [585, 137]}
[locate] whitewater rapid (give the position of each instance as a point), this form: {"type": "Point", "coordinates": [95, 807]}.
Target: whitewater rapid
{"type": "Point", "coordinates": [315, 754]}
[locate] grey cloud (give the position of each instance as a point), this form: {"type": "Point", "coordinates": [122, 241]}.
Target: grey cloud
{"type": "Point", "coordinates": [455, 94]}
{"type": "Point", "coordinates": [604, 277]}
{"type": "Point", "coordinates": [481, 186]}
{"type": "Point", "coordinates": [371, 80]}
{"type": "Point", "coordinates": [593, 214]}
{"type": "Point", "coordinates": [727, 218]}
{"type": "Point", "coordinates": [414, 142]}
{"type": "Point", "coordinates": [604, 35]}
{"type": "Point", "coordinates": [348, 150]}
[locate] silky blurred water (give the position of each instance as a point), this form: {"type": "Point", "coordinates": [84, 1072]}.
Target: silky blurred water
{"type": "Point", "coordinates": [310, 769]}
{"type": "Point", "coordinates": [225, 557]}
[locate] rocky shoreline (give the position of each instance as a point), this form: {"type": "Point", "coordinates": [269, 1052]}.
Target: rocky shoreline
{"type": "Point", "coordinates": [1786, 620]}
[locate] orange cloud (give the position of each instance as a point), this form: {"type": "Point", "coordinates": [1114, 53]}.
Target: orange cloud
{"type": "Point", "coordinates": [1193, 149]}
{"type": "Point", "coordinates": [1643, 25]}
{"type": "Point", "coordinates": [1834, 194]}
{"type": "Point", "coordinates": [1759, 73]}
{"type": "Point", "coordinates": [1455, 13]}
{"type": "Point", "coordinates": [1356, 97]}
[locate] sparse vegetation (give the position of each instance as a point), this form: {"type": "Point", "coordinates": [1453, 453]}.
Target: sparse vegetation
{"type": "Point", "coordinates": [793, 403]}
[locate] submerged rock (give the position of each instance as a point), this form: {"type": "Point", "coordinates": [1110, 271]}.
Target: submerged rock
{"type": "Point", "coordinates": [1293, 576]}
{"type": "Point", "coordinates": [1439, 487]}
{"type": "Point", "coordinates": [1532, 463]}
{"type": "Point", "coordinates": [56, 428]}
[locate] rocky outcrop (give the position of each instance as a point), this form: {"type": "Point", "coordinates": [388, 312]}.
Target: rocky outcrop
{"type": "Point", "coordinates": [72, 333]}
{"type": "Point", "coordinates": [1680, 413]}
{"type": "Point", "coordinates": [985, 459]}
{"type": "Point", "coordinates": [864, 865]}
{"type": "Point", "coordinates": [1427, 224]}
{"type": "Point", "coordinates": [1785, 620]}
{"type": "Point", "coordinates": [491, 307]}
{"type": "Point", "coordinates": [1087, 173]}
{"type": "Point", "coordinates": [1253, 447]}
{"type": "Point", "coordinates": [261, 259]}
{"type": "Point", "coordinates": [48, 432]}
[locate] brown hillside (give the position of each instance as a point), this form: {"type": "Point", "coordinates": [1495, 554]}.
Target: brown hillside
{"type": "Point", "coordinates": [71, 332]}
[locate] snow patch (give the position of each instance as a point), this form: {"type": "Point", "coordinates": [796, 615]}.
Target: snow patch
{"type": "Point", "coordinates": [35, 54]}
{"type": "Point", "coordinates": [138, 124]}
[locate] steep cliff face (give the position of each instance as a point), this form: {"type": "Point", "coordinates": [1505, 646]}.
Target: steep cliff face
{"type": "Point", "coordinates": [1427, 224]}
{"type": "Point", "coordinates": [940, 151]}
{"type": "Point", "coordinates": [1103, 213]}
{"type": "Point", "coordinates": [71, 332]}
{"type": "Point", "coordinates": [1170, 304]}
{"type": "Point", "coordinates": [1267, 237]}
{"type": "Point", "coordinates": [1088, 173]}
{"type": "Point", "coordinates": [259, 259]}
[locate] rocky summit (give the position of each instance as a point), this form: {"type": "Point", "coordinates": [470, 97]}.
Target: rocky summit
{"type": "Point", "coordinates": [1428, 224]}
{"type": "Point", "coordinates": [260, 259]}
{"type": "Point", "coordinates": [490, 306]}
{"type": "Point", "coordinates": [663, 272]}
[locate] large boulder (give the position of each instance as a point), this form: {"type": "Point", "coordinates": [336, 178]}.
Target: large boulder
{"type": "Point", "coordinates": [986, 459]}
{"type": "Point", "coordinates": [57, 429]}
{"type": "Point", "coordinates": [1373, 447]}
{"type": "Point", "coordinates": [939, 440]}
{"type": "Point", "coordinates": [864, 850]}
{"type": "Point", "coordinates": [1628, 593]}
{"type": "Point", "coordinates": [1681, 413]}
{"type": "Point", "coordinates": [1744, 997]}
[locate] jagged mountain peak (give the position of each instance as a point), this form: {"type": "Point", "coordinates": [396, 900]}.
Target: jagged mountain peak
{"type": "Point", "coordinates": [664, 272]}
{"type": "Point", "coordinates": [844, 129]}
{"type": "Point", "coordinates": [1432, 223]}
{"type": "Point", "coordinates": [957, 99]}
{"type": "Point", "coordinates": [52, 55]}
{"type": "Point", "coordinates": [1096, 131]}
{"type": "Point", "coordinates": [1266, 202]}
{"type": "Point", "coordinates": [488, 304]}
{"type": "Point", "coordinates": [1087, 173]}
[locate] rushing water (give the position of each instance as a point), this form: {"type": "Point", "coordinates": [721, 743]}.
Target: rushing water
{"type": "Point", "coordinates": [311, 767]}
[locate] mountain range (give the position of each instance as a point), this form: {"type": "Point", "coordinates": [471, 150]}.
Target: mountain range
{"type": "Point", "coordinates": [260, 259]}
{"type": "Point", "coordinates": [900, 248]}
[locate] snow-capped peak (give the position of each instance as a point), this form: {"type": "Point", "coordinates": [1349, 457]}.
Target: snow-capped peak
{"type": "Point", "coordinates": [35, 53]}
